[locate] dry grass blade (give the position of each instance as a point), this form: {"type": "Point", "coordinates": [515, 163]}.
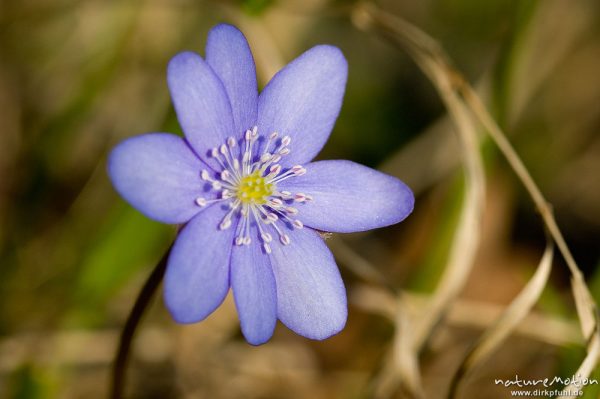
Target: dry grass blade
{"type": "Point", "coordinates": [586, 307]}
{"type": "Point", "coordinates": [508, 322]}
{"type": "Point", "coordinates": [459, 97]}
{"type": "Point", "coordinates": [587, 366]}
{"type": "Point", "coordinates": [434, 63]}
{"type": "Point", "coordinates": [469, 314]}
{"type": "Point", "coordinates": [400, 374]}
{"type": "Point", "coordinates": [405, 358]}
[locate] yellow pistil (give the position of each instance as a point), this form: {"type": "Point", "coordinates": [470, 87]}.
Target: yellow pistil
{"type": "Point", "coordinates": [253, 189]}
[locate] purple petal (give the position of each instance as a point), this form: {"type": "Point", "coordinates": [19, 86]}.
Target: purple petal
{"type": "Point", "coordinates": [349, 197]}
{"type": "Point", "coordinates": [311, 298]}
{"type": "Point", "coordinates": [253, 286]}
{"type": "Point", "coordinates": [159, 175]}
{"type": "Point", "coordinates": [229, 55]}
{"type": "Point", "coordinates": [303, 101]}
{"type": "Point", "coordinates": [201, 102]}
{"type": "Point", "coordinates": [197, 277]}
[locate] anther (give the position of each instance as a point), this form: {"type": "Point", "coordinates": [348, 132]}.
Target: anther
{"type": "Point", "coordinates": [299, 197]}
{"type": "Point", "coordinates": [273, 136]}
{"type": "Point", "coordinates": [266, 237]}
{"type": "Point", "coordinates": [285, 239]}
{"type": "Point", "coordinates": [291, 210]}
{"type": "Point", "coordinates": [200, 201]}
{"type": "Point", "coordinates": [298, 224]}
{"type": "Point", "coordinates": [298, 170]}
{"type": "Point", "coordinates": [225, 224]}
{"type": "Point", "coordinates": [276, 202]}
{"type": "Point", "coordinates": [231, 142]}
{"type": "Point", "coordinates": [275, 169]}
{"type": "Point", "coordinates": [286, 141]}
{"type": "Point", "coordinates": [267, 248]}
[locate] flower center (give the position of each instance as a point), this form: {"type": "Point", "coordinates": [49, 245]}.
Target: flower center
{"type": "Point", "coordinates": [254, 189]}
{"type": "Point", "coordinates": [248, 183]}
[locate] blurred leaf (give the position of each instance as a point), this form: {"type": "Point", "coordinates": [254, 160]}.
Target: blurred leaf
{"type": "Point", "coordinates": [439, 246]}
{"type": "Point", "coordinates": [27, 382]}
{"type": "Point", "coordinates": [509, 56]}
{"type": "Point", "coordinates": [592, 391]}
{"type": "Point", "coordinates": [127, 244]}
{"type": "Point", "coordinates": [256, 7]}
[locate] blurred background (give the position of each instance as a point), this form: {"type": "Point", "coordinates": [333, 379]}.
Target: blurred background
{"type": "Point", "coordinates": [76, 77]}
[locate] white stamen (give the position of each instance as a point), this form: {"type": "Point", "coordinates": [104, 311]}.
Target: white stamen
{"type": "Point", "coordinates": [225, 224]}
{"type": "Point", "coordinates": [275, 169]}
{"type": "Point", "coordinates": [298, 170]}
{"type": "Point", "coordinates": [256, 202]}
{"type": "Point", "coordinates": [267, 248]}
{"type": "Point", "coordinates": [200, 201]}
{"type": "Point", "coordinates": [285, 239]}
{"type": "Point", "coordinates": [276, 202]}
{"type": "Point", "coordinates": [246, 157]}
{"type": "Point", "coordinates": [291, 210]}
{"type": "Point", "coordinates": [204, 175]}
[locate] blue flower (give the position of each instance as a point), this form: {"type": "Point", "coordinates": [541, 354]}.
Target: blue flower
{"type": "Point", "coordinates": [252, 202]}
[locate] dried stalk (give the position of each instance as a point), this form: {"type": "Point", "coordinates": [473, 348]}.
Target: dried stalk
{"type": "Point", "coordinates": [464, 106]}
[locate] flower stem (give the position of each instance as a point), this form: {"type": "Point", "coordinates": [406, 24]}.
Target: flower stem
{"type": "Point", "coordinates": [141, 304]}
